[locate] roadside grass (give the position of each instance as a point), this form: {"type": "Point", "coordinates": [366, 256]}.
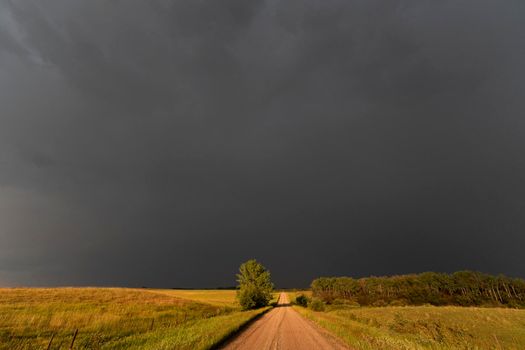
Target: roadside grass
{"type": "Point", "coordinates": [275, 298]}
{"type": "Point", "coordinates": [423, 327]}
{"type": "Point", "coordinates": [200, 334]}
{"type": "Point", "coordinates": [117, 318]}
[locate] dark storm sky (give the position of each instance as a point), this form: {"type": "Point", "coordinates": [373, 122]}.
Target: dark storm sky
{"type": "Point", "coordinates": [162, 143]}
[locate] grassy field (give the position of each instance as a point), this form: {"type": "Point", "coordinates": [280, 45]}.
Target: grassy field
{"type": "Point", "coordinates": [214, 297]}
{"type": "Point", "coordinates": [117, 318]}
{"type": "Point", "coordinates": [423, 327]}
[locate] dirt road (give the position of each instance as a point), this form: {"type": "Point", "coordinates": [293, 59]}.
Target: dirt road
{"type": "Point", "coordinates": [284, 329]}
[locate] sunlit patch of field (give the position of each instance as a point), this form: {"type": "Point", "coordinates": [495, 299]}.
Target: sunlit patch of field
{"type": "Point", "coordinates": [116, 318]}
{"type": "Point", "coordinates": [221, 297]}
{"type": "Point", "coordinates": [424, 327]}
{"type": "Point", "coordinates": [292, 294]}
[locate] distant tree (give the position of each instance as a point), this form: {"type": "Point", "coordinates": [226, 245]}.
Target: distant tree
{"type": "Point", "coordinates": [255, 285]}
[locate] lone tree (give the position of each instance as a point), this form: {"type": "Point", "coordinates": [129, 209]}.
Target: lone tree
{"type": "Point", "coordinates": [255, 286]}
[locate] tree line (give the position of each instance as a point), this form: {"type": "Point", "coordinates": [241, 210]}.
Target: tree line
{"type": "Point", "coordinates": [463, 288]}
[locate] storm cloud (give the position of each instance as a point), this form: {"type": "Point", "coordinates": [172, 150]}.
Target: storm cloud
{"type": "Point", "coordinates": [162, 143]}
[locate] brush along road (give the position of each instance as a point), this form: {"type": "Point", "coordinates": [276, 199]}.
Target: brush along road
{"type": "Point", "coordinates": [284, 329]}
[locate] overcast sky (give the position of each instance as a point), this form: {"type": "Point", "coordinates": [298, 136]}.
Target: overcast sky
{"type": "Point", "coordinates": [162, 143]}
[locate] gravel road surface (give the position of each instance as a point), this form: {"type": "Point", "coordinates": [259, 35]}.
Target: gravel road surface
{"type": "Point", "coordinates": [283, 329]}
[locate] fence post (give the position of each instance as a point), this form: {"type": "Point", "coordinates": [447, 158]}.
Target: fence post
{"type": "Point", "coordinates": [73, 341]}
{"type": "Point", "coordinates": [50, 341]}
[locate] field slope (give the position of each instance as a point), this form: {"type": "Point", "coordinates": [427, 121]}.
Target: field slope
{"type": "Point", "coordinates": [423, 327]}
{"type": "Point", "coordinates": [117, 318]}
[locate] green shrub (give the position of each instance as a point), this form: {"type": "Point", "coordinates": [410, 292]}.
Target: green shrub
{"type": "Point", "coordinates": [301, 300]}
{"type": "Point", "coordinates": [399, 302]}
{"type": "Point", "coordinates": [316, 304]}
{"type": "Point", "coordinates": [379, 302]}
{"type": "Point", "coordinates": [346, 302]}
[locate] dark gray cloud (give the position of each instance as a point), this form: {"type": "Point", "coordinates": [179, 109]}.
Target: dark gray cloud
{"type": "Point", "coordinates": [161, 143]}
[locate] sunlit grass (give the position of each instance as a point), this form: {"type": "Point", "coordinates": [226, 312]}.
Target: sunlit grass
{"type": "Point", "coordinates": [215, 297]}
{"type": "Point", "coordinates": [292, 294]}
{"type": "Point", "coordinates": [117, 318]}
{"type": "Point", "coordinates": [424, 327]}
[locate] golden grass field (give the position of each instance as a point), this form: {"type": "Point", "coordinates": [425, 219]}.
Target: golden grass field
{"type": "Point", "coordinates": [117, 318]}
{"type": "Point", "coordinates": [120, 318]}
{"type": "Point", "coordinates": [292, 294]}
{"type": "Point", "coordinates": [422, 327]}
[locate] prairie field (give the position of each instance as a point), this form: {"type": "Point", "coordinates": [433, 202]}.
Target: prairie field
{"type": "Point", "coordinates": [217, 297]}
{"type": "Point", "coordinates": [117, 318]}
{"type": "Point", "coordinates": [423, 327]}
